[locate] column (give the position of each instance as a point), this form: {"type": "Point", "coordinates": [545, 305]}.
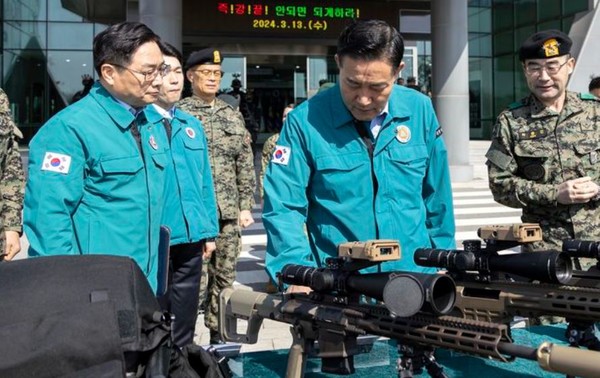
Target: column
{"type": "Point", "coordinates": [450, 76]}
{"type": "Point", "coordinates": [164, 18]}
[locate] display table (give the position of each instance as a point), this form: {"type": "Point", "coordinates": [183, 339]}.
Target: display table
{"type": "Point", "coordinates": [381, 361]}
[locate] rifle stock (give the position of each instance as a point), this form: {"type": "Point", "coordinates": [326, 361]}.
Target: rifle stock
{"type": "Point", "coordinates": [319, 317]}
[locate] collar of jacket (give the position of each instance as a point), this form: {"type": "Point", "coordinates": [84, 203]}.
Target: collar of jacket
{"type": "Point", "coordinates": [121, 116]}
{"type": "Point", "coordinates": [573, 104]}
{"type": "Point", "coordinates": [397, 106]}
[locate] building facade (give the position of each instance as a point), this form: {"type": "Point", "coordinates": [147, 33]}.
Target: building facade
{"type": "Point", "coordinates": [279, 50]}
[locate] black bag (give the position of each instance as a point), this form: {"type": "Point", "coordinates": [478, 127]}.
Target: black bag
{"type": "Point", "coordinates": [80, 316]}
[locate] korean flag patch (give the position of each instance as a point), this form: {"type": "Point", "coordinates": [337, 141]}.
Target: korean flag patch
{"type": "Point", "coordinates": [281, 155]}
{"type": "Point", "coordinates": [55, 162]}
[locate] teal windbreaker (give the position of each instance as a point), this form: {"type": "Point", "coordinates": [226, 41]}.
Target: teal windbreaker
{"type": "Point", "coordinates": [92, 189]}
{"type": "Point", "coordinates": [190, 205]}
{"type": "Point", "coordinates": [324, 177]}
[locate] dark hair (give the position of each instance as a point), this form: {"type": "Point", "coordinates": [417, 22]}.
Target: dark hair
{"type": "Point", "coordinates": [168, 49]}
{"type": "Point", "coordinates": [594, 83]}
{"type": "Point", "coordinates": [371, 40]}
{"type": "Point", "coordinates": [119, 42]}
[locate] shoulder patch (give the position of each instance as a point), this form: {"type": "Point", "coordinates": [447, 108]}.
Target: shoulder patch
{"type": "Point", "coordinates": [516, 105]}
{"type": "Point", "coordinates": [55, 162]}
{"type": "Point", "coordinates": [281, 155]}
{"type": "Point", "coordinates": [588, 96]}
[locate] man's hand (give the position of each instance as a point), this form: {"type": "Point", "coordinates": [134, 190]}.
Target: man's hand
{"type": "Point", "coordinates": [579, 190]}
{"type": "Point", "coordinates": [245, 219]}
{"type": "Point", "coordinates": [209, 248]}
{"type": "Point", "coordinates": [298, 289]}
{"type": "Point", "coordinates": [13, 245]}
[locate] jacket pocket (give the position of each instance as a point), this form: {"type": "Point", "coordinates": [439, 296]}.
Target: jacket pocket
{"type": "Point", "coordinates": [532, 160]}
{"type": "Point", "coordinates": [340, 162]}
{"type": "Point", "coordinates": [124, 165]}
{"type": "Point", "coordinates": [193, 143]}
{"type": "Point", "coordinates": [160, 160]}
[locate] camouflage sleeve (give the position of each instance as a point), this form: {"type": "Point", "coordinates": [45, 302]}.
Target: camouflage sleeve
{"type": "Point", "coordinates": [12, 179]}
{"type": "Point", "coordinates": [507, 186]}
{"type": "Point", "coordinates": [267, 154]}
{"type": "Point", "coordinates": [13, 188]}
{"type": "Point", "coordinates": [245, 175]}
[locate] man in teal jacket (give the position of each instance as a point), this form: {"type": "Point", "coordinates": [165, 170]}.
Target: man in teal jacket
{"type": "Point", "coordinates": [190, 203]}
{"type": "Point", "coordinates": [96, 170]}
{"type": "Point", "coordinates": [362, 160]}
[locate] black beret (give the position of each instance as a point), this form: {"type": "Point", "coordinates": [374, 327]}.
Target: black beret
{"type": "Point", "coordinates": [545, 44]}
{"type": "Point", "coordinates": [204, 56]}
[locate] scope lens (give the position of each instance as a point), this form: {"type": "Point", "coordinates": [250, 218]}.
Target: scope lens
{"type": "Point", "coordinates": [563, 268]}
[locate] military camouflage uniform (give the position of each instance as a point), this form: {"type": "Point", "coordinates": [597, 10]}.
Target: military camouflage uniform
{"type": "Point", "coordinates": [533, 150]}
{"type": "Point", "coordinates": [11, 174]}
{"type": "Point", "coordinates": [267, 155]}
{"type": "Point", "coordinates": [232, 165]}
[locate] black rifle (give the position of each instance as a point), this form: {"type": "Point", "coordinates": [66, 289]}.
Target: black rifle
{"type": "Point", "coordinates": [335, 314]}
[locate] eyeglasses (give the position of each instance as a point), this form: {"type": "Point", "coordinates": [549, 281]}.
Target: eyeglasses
{"type": "Point", "coordinates": [162, 70]}
{"type": "Point", "coordinates": [552, 68]}
{"type": "Point", "coordinates": [207, 73]}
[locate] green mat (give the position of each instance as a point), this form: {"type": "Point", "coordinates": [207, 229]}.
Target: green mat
{"type": "Point", "coordinates": [381, 361]}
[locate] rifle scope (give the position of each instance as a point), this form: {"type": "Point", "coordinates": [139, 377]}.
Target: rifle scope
{"type": "Point", "coordinates": [403, 293]}
{"type": "Point", "coordinates": [545, 266]}
{"type": "Point", "coordinates": [582, 248]}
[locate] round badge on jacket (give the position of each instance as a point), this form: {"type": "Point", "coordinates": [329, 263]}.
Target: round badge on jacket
{"type": "Point", "coordinates": [152, 142]}
{"type": "Point", "coordinates": [190, 132]}
{"type": "Point", "coordinates": [403, 133]}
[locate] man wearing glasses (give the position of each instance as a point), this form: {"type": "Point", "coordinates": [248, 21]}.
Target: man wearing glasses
{"type": "Point", "coordinates": [231, 162]}
{"type": "Point", "coordinates": [545, 151]}
{"type": "Point", "coordinates": [96, 169]}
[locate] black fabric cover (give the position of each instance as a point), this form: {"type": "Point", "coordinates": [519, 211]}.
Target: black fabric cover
{"type": "Point", "coordinates": [80, 316]}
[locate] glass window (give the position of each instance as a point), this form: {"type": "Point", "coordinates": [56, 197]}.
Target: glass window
{"type": "Point", "coordinates": [548, 9]}
{"type": "Point", "coordinates": [480, 20]}
{"type": "Point", "coordinates": [480, 45]}
{"type": "Point", "coordinates": [410, 62]}
{"type": "Point", "coordinates": [480, 71]}
{"type": "Point", "coordinates": [486, 129]}
{"type": "Point", "coordinates": [66, 69]}
{"type": "Point", "coordinates": [525, 13]}
{"type": "Point", "coordinates": [503, 15]}
{"type": "Point", "coordinates": [24, 10]}
{"type": "Point", "coordinates": [24, 35]}
{"type": "Point", "coordinates": [56, 11]}
{"type": "Point", "coordinates": [73, 36]}
{"type": "Point", "coordinates": [503, 43]}
{"type": "Point", "coordinates": [567, 22]}
{"type": "Point", "coordinates": [234, 68]}
{"type": "Point", "coordinates": [554, 24]}
{"type": "Point", "coordinates": [98, 28]}
{"type": "Point", "coordinates": [503, 82]}
{"type": "Point", "coordinates": [317, 71]}
{"type": "Point", "coordinates": [25, 84]}
{"type": "Point", "coordinates": [521, 34]}
{"type": "Point", "coordinates": [571, 7]}
{"type": "Point", "coordinates": [521, 89]}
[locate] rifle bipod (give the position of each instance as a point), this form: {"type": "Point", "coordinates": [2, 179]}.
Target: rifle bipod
{"type": "Point", "coordinates": [412, 359]}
